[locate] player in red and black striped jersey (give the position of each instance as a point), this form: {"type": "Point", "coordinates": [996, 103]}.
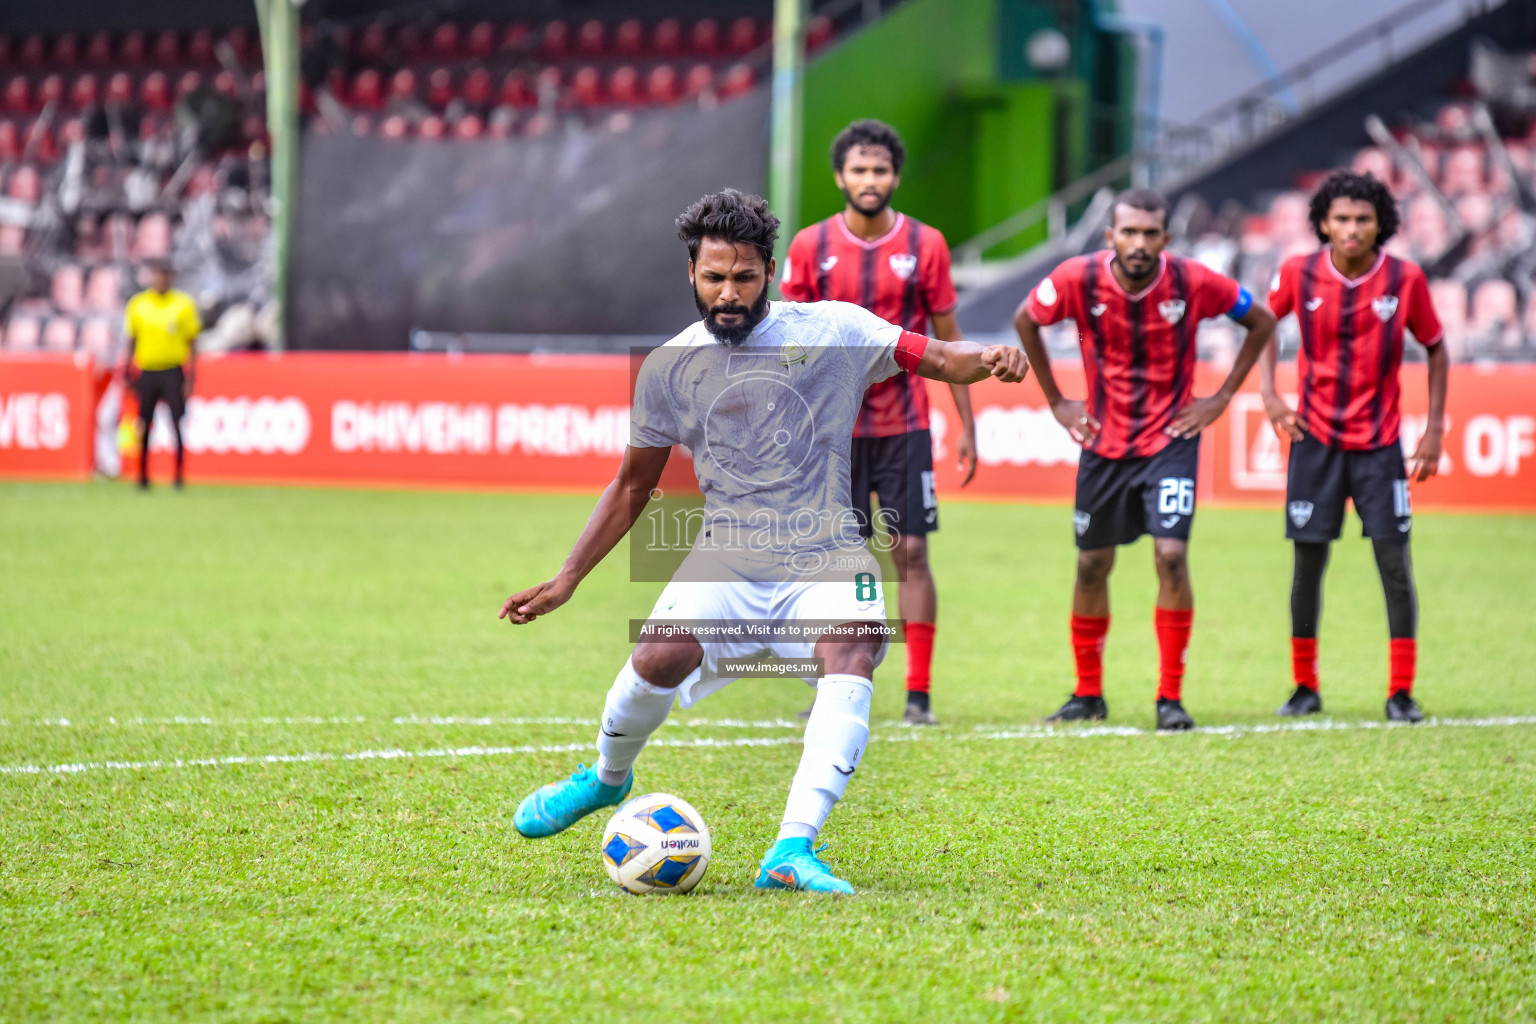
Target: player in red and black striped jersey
{"type": "Point", "coordinates": [1137, 309]}
{"type": "Point", "coordinates": [898, 269]}
{"type": "Point", "coordinates": [1354, 304]}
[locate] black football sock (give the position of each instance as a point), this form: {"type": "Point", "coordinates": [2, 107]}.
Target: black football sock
{"type": "Point", "coordinates": [1307, 588]}
{"type": "Point", "coordinates": [1396, 568]}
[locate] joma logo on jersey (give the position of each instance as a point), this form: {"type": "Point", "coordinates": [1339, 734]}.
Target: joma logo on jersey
{"type": "Point", "coordinates": [1172, 310]}
{"type": "Point", "coordinates": [1385, 306]}
{"type": "Point", "coordinates": [902, 265]}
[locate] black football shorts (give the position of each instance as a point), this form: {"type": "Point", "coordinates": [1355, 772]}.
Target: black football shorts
{"type": "Point", "coordinates": [1320, 477]}
{"type": "Point", "coordinates": [899, 471]}
{"type": "Point", "coordinates": [1118, 500]}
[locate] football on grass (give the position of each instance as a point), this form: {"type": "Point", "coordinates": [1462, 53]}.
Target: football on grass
{"type": "Point", "coordinates": [656, 843]}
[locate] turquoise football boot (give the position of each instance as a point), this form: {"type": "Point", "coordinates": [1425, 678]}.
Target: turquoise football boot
{"type": "Point", "coordinates": [556, 807]}
{"type": "Point", "coordinates": [792, 864]}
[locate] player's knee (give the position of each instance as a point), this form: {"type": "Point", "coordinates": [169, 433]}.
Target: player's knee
{"type": "Point", "coordinates": [847, 659]}
{"type": "Point", "coordinates": [1392, 562]}
{"type": "Point", "coordinates": [1093, 567]}
{"type": "Point", "coordinates": [913, 551]}
{"type": "Point", "coordinates": [1172, 560]}
{"type": "Point", "coordinates": [667, 665]}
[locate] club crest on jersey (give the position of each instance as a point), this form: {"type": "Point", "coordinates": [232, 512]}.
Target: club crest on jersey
{"type": "Point", "coordinates": [902, 264]}
{"type": "Point", "coordinates": [1172, 310]}
{"type": "Point", "coordinates": [1080, 520]}
{"type": "Point", "coordinates": [1385, 306]}
{"type": "Point", "coordinates": [791, 353]}
{"type": "Point", "coordinates": [1300, 512]}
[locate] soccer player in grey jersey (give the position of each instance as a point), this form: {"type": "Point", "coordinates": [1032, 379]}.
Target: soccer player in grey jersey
{"type": "Point", "coordinates": [765, 395]}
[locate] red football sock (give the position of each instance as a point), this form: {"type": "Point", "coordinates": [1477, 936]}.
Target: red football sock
{"type": "Point", "coordinates": [1172, 646]}
{"type": "Point", "coordinates": [919, 655]}
{"type": "Point", "coordinates": [1088, 632]}
{"type": "Point", "coordinates": [1304, 661]}
{"type": "Point", "coordinates": [1405, 657]}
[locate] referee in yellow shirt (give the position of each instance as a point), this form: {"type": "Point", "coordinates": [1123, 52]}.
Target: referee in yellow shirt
{"type": "Point", "coordinates": [162, 326]}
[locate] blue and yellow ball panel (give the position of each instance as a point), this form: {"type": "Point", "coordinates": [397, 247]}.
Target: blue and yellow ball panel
{"type": "Point", "coordinates": [669, 872]}
{"type": "Point", "coordinates": [666, 818]}
{"type": "Point", "coordinates": [621, 849]}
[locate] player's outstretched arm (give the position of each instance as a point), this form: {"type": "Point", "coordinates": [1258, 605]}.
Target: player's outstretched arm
{"type": "Point", "coordinates": [616, 511]}
{"type": "Point", "coordinates": [965, 362]}
{"type": "Point", "coordinates": [1071, 414]}
{"type": "Point", "coordinates": [1202, 412]}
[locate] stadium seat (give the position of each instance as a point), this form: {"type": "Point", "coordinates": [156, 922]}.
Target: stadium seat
{"type": "Point", "coordinates": [67, 289]}
{"type": "Point", "coordinates": [440, 88]}
{"type": "Point", "coordinates": [402, 86]}
{"type": "Point", "coordinates": [34, 52]}
{"type": "Point", "coordinates": [516, 90]}
{"type": "Point", "coordinates": [200, 47]}
{"type": "Point", "coordinates": [190, 81]}
{"type": "Point", "coordinates": [373, 42]}
{"type": "Point", "coordinates": [6, 49]}
{"type": "Point", "coordinates": [59, 334]}
{"type": "Point", "coordinates": [167, 50]}
{"type": "Point", "coordinates": [98, 49]}
{"type": "Point", "coordinates": [701, 78]}
{"type": "Point", "coordinates": [133, 49]}
{"type": "Point", "coordinates": [517, 38]}
{"type": "Point", "coordinates": [408, 40]}
{"type": "Point", "coordinates": [1454, 122]}
{"type": "Point", "coordinates": [539, 124]}
{"type": "Point", "coordinates": [591, 39]}
{"type": "Point", "coordinates": [152, 239]}
{"type": "Point", "coordinates": [555, 41]}
{"type": "Point", "coordinates": [239, 41]}
{"type": "Point", "coordinates": [367, 92]}
{"type": "Point", "coordinates": [624, 85]}
{"type": "Point", "coordinates": [445, 41]}
{"type": "Point", "coordinates": [394, 127]}
{"type": "Point", "coordinates": [25, 184]}
{"type": "Point", "coordinates": [432, 127]}
{"type": "Point", "coordinates": [741, 78]}
{"type": "Point", "coordinates": [549, 80]}
{"type": "Point", "coordinates": [661, 84]}
{"type": "Point", "coordinates": [818, 33]}
{"type": "Point", "coordinates": [1494, 320]}
{"type": "Point", "coordinates": [468, 127]}
{"type": "Point", "coordinates": [629, 39]}
{"type": "Point", "coordinates": [502, 123]}
{"type": "Point", "coordinates": [1289, 219]}
{"type": "Point", "coordinates": [667, 40]}
{"type": "Point", "coordinates": [10, 142]}
{"type": "Point", "coordinates": [1426, 227]}
{"type": "Point", "coordinates": [86, 91]}
{"type": "Point", "coordinates": [477, 88]}
{"type": "Point", "coordinates": [743, 36]}
{"type": "Point", "coordinates": [481, 42]}
{"type": "Point", "coordinates": [362, 124]}
{"type": "Point", "coordinates": [1463, 171]}
{"type": "Point", "coordinates": [50, 90]}
{"type": "Point", "coordinates": [66, 50]}
{"type": "Point", "coordinates": [18, 95]}
{"type": "Point", "coordinates": [39, 140]}
{"type": "Point", "coordinates": [587, 86]}
{"type": "Point", "coordinates": [119, 88]}
{"type": "Point", "coordinates": [705, 37]}
{"type": "Point", "coordinates": [13, 239]}
{"type": "Point", "coordinates": [96, 339]}
{"type": "Point", "coordinates": [1449, 297]}
{"type": "Point", "coordinates": [224, 84]}
{"type": "Point", "coordinates": [1476, 211]}
{"type": "Point", "coordinates": [73, 131]}
{"type": "Point", "coordinates": [22, 333]}
{"type": "Point", "coordinates": [155, 91]}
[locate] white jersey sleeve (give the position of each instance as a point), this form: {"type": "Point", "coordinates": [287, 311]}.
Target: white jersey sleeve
{"type": "Point", "coordinates": [652, 421]}
{"type": "Point", "coordinates": [871, 340]}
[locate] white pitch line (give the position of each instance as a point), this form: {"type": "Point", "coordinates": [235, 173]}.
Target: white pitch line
{"type": "Point", "coordinates": [1031, 732]}
{"type": "Point", "coordinates": [455, 720]}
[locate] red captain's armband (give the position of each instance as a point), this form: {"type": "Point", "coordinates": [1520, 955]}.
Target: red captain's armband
{"type": "Point", "coordinates": [909, 350]}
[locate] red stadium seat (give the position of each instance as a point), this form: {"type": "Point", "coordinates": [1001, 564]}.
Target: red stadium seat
{"type": "Point", "coordinates": [167, 48]}
{"type": "Point", "coordinates": [432, 127]}
{"type": "Point", "coordinates": [133, 49]}
{"type": "Point", "coordinates": [394, 127]}
{"type": "Point", "coordinates": [743, 36]}
{"type": "Point", "coordinates": [22, 333]}
{"type": "Point", "coordinates": [539, 124]}
{"type": "Point", "coordinates": [98, 49]}
{"type": "Point", "coordinates": [374, 41]}
{"type": "Point", "coordinates": [517, 38]}
{"type": "Point", "coordinates": [225, 85]}
{"type": "Point", "coordinates": [18, 95]}
{"type": "Point", "coordinates": [51, 90]}
{"type": "Point", "coordinates": [96, 339]}
{"type": "Point", "coordinates": [72, 132]}
{"type": "Point", "coordinates": [26, 184]}
{"type": "Point", "coordinates": [5, 49]}
{"type": "Point", "coordinates": [362, 124]}
{"type": "Point", "coordinates": [477, 88]}
{"type": "Point", "coordinates": [408, 39]}
{"type": "Point", "coordinates": [191, 81]}
{"type": "Point", "coordinates": [155, 91]}
{"type": "Point", "coordinates": [705, 37]}
{"type": "Point", "coordinates": [629, 40]}
{"type": "Point", "coordinates": [402, 86]}
{"type": "Point", "coordinates": [119, 88]}
{"type": "Point", "coordinates": [482, 40]}
{"type": "Point", "coordinates": [367, 90]}
{"type": "Point", "coordinates": [59, 335]}
{"type": "Point", "coordinates": [701, 77]}
{"type": "Point", "coordinates": [589, 41]}
{"type": "Point", "coordinates": [67, 290]}
{"type": "Point", "coordinates": [741, 78]}
{"type": "Point", "coordinates": [819, 33]}
{"type": "Point", "coordinates": [10, 142]}
{"type": "Point", "coordinates": [587, 86]}
{"type": "Point", "coordinates": [549, 81]}
{"type": "Point", "coordinates": [1463, 171]}
{"type": "Point", "coordinates": [440, 88]}
{"type": "Point", "coordinates": [667, 40]}
{"type": "Point", "coordinates": [661, 84]}
{"type": "Point", "coordinates": [239, 42]}
{"type": "Point", "coordinates": [66, 50]}
{"type": "Point", "coordinates": [502, 123]}
{"type": "Point", "coordinates": [34, 52]}
{"type": "Point", "coordinates": [624, 86]}
{"type": "Point", "coordinates": [445, 41]}
{"type": "Point", "coordinates": [152, 239]}
{"type": "Point", "coordinates": [86, 91]}
{"type": "Point", "coordinates": [468, 127]}
{"type": "Point", "coordinates": [556, 40]}
{"type": "Point", "coordinates": [516, 90]}
{"type": "Point", "coordinates": [13, 239]}
{"type": "Point", "coordinates": [254, 128]}
{"type": "Point", "coordinates": [40, 140]}
{"type": "Point", "coordinates": [200, 47]}
{"type": "Point", "coordinates": [258, 82]}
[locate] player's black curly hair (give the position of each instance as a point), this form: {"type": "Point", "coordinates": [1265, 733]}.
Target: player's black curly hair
{"type": "Point", "coordinates": [868, 132]}
{"type": "Point", "coordinates": [1348, 185]}
{"type": "Point", "coordinates": [730, 216]}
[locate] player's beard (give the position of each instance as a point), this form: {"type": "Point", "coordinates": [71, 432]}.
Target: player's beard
{"type": "Point", "coordinates": [868, 211]}
{"type": "Point", "coordinates": [1149, 263]}
{"type": "Point", "coordinates": [732, 336]}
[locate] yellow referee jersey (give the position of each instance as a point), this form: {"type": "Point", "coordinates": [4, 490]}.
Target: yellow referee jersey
{"type": "Point", "coordinates": [162, 327]}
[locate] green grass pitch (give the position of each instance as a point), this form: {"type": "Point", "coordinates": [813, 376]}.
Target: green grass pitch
{"type": "Point", "coordinates": [1366, 874]}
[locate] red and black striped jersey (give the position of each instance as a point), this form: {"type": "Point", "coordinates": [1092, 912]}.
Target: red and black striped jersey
{"type": "Point", "coordinates": [1138, 350]}
{"type": "Point", "coordinates": [902, 277]}
{"type": "Point", "coordinates": [1352, 343]}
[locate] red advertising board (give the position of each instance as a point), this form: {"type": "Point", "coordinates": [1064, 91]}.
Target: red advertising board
{"type": "Point", "coordinates": [46, 417]}
{"type": "Point", "coordinates": [561, 422]}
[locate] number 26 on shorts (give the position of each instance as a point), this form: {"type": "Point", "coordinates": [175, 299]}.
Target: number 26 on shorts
{"type": "Point", "coordinates": [1176, 496]}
